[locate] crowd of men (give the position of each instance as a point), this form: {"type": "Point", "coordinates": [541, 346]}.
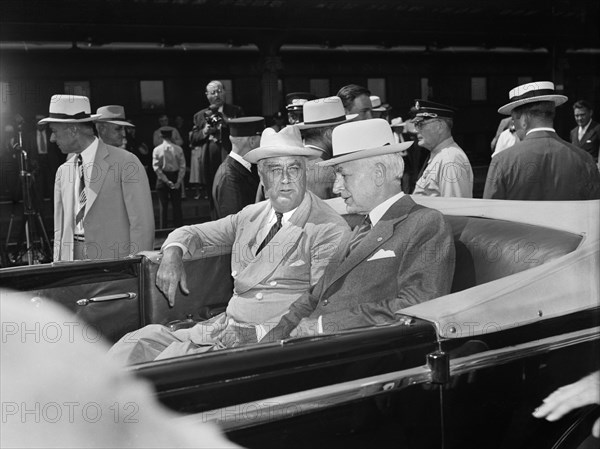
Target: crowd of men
{"type": "Point", "coordinates": [297, 266]}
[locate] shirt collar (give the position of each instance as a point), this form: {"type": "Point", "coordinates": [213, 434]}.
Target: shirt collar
{"type": "Point", "coordinates": [379, 211]}
{"type": "Point", "coordinates": [241, 160]}
{"type": "Point", "coordinates": [286, 216]}
{"type": "Point", "coordinates": [584, 128]}
{"type": "Point", "coordinates": [89, 154]}
{"type": "Point", "coordinates": [540, 129]}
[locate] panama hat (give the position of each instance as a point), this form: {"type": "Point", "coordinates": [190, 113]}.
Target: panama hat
{"type": "Point", "coordinates": [365, 138]}
{"type": "Point", "coordinates": [113, 113]}
{"type": "Point", "coordinates": [532, 93]}
{"type": "Point", "coordinates": [327, 111]}
{"type": "Point", "coordinates": [286, 142]}
{"type": "Point", "coordinates": [65, 108]}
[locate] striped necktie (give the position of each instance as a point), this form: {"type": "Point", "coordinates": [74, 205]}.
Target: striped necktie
{"type": "Point", "coordinates": [361, 231]}
{"type": "Point", "coordinates": [81, 194]}
{"type": "Point", "coordinates": [276, 227]}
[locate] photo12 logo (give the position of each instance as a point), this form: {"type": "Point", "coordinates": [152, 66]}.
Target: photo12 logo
{"type": "Point", "coordinates": [70, 412]}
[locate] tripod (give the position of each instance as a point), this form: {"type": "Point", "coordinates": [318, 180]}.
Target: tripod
{"type": "Point", "coordinates": [38, 250]}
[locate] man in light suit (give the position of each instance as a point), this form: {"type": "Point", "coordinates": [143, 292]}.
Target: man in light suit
{"type": "Point", "coordinates": [586, 135]}
{"type": "Point", "coordinates": [542, 166]}
{"type": "Point", "coordinates": [400, 255]}
{"type": "Point", "coordinates": [280, 248]}
{"type": "Point", "coordinates": [102, 203]}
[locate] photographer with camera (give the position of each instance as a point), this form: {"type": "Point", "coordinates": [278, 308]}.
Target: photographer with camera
{"type": "Point", "coordinates": [209, 138]}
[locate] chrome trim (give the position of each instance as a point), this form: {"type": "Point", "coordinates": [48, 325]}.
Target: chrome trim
{"type": "Point", "coordinates": [266, 410]}
{"type": "Point", "coordinates": [502, 356]}
{"type": "Point", "coordinates": [262, 411]}
{"type": "Point", "coordinates": [86, 301]}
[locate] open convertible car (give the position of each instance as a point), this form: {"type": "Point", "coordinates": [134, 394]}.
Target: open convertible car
{"type": "Point", "coordinates": [463, 370]}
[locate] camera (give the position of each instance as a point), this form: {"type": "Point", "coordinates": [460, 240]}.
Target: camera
{"type": "Point", "coordinates": [213, 118]}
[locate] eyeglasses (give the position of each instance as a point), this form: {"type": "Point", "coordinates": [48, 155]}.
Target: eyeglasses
{"type": "Point", "coordinates": [214, 92]}
{"type": "Point", "coordinates": [423, 123]}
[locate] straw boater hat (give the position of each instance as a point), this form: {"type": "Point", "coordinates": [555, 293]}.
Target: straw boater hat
{"type": "Point", "coordinates": [295, 100]}
{"type": "Point", "coordinates": [113, 113]}
{"type": "Point", "coordinates": [365, 138]}
{"type": "Point", "coordinates": [286, 142]}
{"type": "Point", "coordinates": [532, 93]}
{"type": "Point", "coordinates": [327, 111]}
{"type": "Point", "coordinates": [65, 108]}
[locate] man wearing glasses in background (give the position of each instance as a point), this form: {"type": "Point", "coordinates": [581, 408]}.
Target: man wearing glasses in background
{"type": "Point", "coordinates": [448, 171]}
{"type": "Point", "coordinates": [209, 138]}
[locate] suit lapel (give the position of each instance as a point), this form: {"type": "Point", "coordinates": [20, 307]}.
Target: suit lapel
{"type": "Point", "coordinates": [281, 246]}
{"type": "Point", "coordinates": [97, 175]}
{"type": "Point", "coordinates": [380, 234]}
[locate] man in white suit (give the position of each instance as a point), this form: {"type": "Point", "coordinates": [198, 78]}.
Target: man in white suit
{"type": "Point", "coordinates": [102, 202]}
{"type": "Point", "coordinates": [280, 248]}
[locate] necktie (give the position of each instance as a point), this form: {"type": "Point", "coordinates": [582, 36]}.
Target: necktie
{"type": "Point", "coordinates": [276, 227]}
{"type": "Point", "coordinates": [81, 194]}
{"type": "Point", "coordinates": [580, 133]}
{"type": "Point", "coordinates": [362, 230]}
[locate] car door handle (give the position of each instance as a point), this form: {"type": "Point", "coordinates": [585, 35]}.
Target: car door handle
{"type": "Point", "coordinates": [86, 301]}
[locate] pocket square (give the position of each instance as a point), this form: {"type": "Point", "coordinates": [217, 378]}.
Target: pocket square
{"type": "Point", "coordinates": [298, 263]}
{"type": "Point", "coordinates": [382, 254]}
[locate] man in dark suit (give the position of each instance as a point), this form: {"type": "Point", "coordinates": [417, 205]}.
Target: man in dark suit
{"type": "Point", "coordinates": [210, 133]}
{"type": "Point", "coordinates": [237, 179]}
{"type": "Point", "coordinates": [586, 135]}
{"type": "Point", "coordinates": [542, 166]}
{"type": "Point", "coordinates": [400, 255]}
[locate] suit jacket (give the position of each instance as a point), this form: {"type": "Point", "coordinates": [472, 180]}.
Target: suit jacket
{"type": "Point", "coordinates": [266, 284]}
{"type": "Point", "coordinates": [406, 258]}
{"type": "Point", "coordinates": [234, 188]}
{"type": "Point", "coordinates": [590, 141]}
{"type": "Point", "coordinates": [119, 217]}
{"type": "Point", "coordinates": [198, 138]}
{"type": "Point", "coordinates": [542, 167]}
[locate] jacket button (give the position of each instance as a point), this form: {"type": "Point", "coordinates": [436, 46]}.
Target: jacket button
{"type": "Point", "coordinates": [379, 239]}
{"type": "Point", "coordinates": [325, 302]}
{"type": "Point", "coordinates": [259, 296]}
{"type": "Point", "coordinates": [273, 283]}
{"type": "Point", "coordinates": [234, 273]}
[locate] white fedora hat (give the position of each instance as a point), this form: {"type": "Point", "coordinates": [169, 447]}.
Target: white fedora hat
{"type": "Point", "coordinates": [376, 104]}
{"type": "Point", "coordinates": [286, 142]}
{"type": "Point", "coordinates": [66, 108]}
{"type": "Point", "coordinates": [366, 138]}
{"type": "Point", "coordinates": [532, 93]}
{"type": "Point", "coordinates": [327, 111]}
{"type": "Point", "coordinates": [113, 113]}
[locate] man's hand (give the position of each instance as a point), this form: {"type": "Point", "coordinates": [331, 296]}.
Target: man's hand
{"type": "Point", "coordinates": [171, 274]}
{"type": "Point", "coordinates": [583, 392]}
{"type": "Point", "coordinates": [234, 335]}
{"type": "Point", "coordinates": [306, 327]}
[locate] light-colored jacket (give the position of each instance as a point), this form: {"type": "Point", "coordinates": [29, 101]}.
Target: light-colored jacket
{"type": "Point", "coordinates": [119, 217]}
{"type": "Point", "coordinates": [265, 285]}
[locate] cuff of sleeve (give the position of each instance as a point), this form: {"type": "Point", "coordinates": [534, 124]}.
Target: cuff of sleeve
{"type": "Point", "coordinates": [179, 245]}
{"type": "Point", "coordinates": [320, 324]}
{"type": "Point", "coordinates": [261, 331]}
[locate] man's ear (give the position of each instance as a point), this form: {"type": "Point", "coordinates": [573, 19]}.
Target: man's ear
{"type": "Point", "coordinates": [379, 173]}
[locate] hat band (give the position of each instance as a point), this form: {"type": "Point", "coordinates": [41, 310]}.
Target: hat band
{"type": "Point", "coordinates": [533, 93]}
{"type": "Point", "coordinates": [329, 120]}
{"type": "Point", "coordinates": [77, 116]}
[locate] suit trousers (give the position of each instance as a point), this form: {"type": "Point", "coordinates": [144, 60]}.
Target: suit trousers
{"type": "Point", "coordinates": [166, 195]}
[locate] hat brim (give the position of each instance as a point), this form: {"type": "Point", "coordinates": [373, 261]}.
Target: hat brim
{"type": "Point", "coordinates": [362, 154]}
{"type": "Point", "coordinates": [304, 125]}
{"type": "Point", "coordinates": [91, 118]}
{"type": "Point", "coordinates": [280, 151]}
{"type": "Point", "coordinates": [557, 99]}
{"type": "Point", "coordinates": [116, 122]}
